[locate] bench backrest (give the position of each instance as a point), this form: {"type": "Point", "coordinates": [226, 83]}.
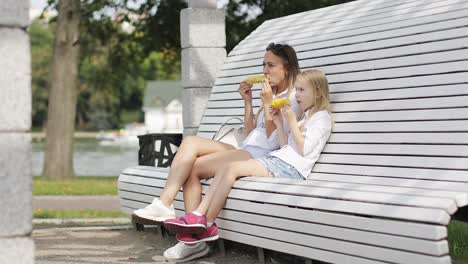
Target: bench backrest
{"type": "Point", "coordinates": [398, 73]}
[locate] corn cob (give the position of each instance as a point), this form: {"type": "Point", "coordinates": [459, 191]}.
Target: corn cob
{"type": "Point", "coordinates": [255, 79]}
{"type": "Point", "coordinates": [280, 102]}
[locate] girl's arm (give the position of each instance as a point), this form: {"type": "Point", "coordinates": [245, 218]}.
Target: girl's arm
{"type": "Point", "coordinates": [294, 128]}
{"type": "Point", "coordinates": [278, 120]}
{"type": "Point", "coordinates": [245, 91]}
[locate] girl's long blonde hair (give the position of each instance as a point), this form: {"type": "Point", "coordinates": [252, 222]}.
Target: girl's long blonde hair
{"type": "Point", "coordinates": [318, 81]}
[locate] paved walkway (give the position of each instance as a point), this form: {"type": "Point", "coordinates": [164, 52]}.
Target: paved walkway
{"type": "Point", "coordinates": [77, 202]}
{"type": "Point", "coordinates": [120, 245]}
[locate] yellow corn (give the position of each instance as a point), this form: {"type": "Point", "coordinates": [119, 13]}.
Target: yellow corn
{"type": "Point", "coordinates": [280, 102]}
{"type": "Point", "coordinates": [255, 79]}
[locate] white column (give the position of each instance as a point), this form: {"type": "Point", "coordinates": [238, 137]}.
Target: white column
{"type": "Point", "coordinates": [16, 244]}
{"type": "Point", "coordinates": [203, 40]}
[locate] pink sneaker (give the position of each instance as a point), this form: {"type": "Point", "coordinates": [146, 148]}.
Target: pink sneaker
{"type": "Point", "coordinates": [210, 234]}
{"type": "Point", "coordinates": [187, 224]}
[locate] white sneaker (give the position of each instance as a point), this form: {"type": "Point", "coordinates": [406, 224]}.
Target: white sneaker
{"type": "Point", "coordinates": [182, 252]}
{"type": "Point", "coordinates": [154, 213]}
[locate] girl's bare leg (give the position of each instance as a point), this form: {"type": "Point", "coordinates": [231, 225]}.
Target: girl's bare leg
{"type": "Point", "coordinates": [190, 148]}
{"type": "Point", "coordinates": [205, 167]}
{"type": "Point", "coordinates": [218, 192]}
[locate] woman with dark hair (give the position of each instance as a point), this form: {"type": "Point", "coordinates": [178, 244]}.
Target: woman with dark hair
{"type": "Point", "coordinates": [199, 158]}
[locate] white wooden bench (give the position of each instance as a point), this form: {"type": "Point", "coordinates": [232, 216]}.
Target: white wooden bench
{"type": "Point", "coordinates": [395, 169]}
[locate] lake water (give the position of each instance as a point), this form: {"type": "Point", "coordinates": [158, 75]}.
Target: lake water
{"type": "Point", "coordinates": [91, 159]}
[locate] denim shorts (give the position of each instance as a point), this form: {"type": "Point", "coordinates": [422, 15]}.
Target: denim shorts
{"type": "Point", "coordinates": [279, 169]}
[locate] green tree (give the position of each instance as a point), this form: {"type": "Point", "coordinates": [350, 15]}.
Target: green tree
{"type": "Point", "coordinates": [115, 63]}
{"type": "Point", "coordinates": [42, 40]}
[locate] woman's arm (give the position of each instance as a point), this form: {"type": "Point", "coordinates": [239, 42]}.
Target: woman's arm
{"type": "Point", "coordinates": [249, 121]}
{"type": "Point", "coordinates": [267, 98]}
{"type": "Point", "coordinates": [278, 120]}
{"type": "Point", "coordinates": [245, 91]}
{"type": "Point", "coordinates": [294, 128]}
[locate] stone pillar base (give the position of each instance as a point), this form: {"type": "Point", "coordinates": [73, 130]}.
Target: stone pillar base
{"type": "Point", "coordinates": [16, 250]}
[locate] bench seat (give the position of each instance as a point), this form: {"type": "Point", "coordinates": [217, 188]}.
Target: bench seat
{"type": "Point", "coordinates": [317, 214]}
{"type": "Point", "coordinates": [394, 171]}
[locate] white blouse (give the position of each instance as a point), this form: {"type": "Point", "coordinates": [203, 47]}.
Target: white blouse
{"type": "Point", "coordinates": [316, 132]}
{"type": "Point", "coordinates": [258, 137]}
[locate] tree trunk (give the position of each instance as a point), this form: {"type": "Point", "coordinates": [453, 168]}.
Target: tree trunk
{"type": "Point", "coordinates": [58, 160]}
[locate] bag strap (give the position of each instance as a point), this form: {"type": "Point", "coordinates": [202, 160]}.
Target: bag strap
{"type": "Point", "coordinates": [225, 123]}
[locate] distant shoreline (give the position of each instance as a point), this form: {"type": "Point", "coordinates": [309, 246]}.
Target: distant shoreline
{"type": "Point", "coordinates": [79, 134]}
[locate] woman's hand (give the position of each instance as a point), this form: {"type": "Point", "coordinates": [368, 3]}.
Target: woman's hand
{"type": "Point", "coordinates": [245, 91]}
{"type": "Point", "coordinates": [266, 94]}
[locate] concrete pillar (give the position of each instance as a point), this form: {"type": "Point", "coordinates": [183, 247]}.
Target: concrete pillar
{"type": "Point", "coordinates": [16, 244]}
{"type": "Point", "coordinates": [203, 40]}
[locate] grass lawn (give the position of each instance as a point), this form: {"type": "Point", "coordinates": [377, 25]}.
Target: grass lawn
{"type": "Point", "coordinates": [76, 186]}
{"type": "Point", "coordinates": [458, 240]}
{"type": "Point", "coordinates": [87, 213]}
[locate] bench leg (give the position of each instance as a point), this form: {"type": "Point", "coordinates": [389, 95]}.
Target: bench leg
{"type": "Point", "coordinates": [222, 250]}
{"type": "Point", "coordinates": [261, 255]}
{"type": "Point", "coordinates": [138, 226]}
{"type": "Point", "coordinates": [162, 231]}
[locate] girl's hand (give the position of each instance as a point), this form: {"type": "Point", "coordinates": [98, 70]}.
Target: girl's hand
{"type": "Point", "coordinates": [290, 114]}
{"type": "Point", "coordinates": [245, 91]}
{"type": "Point", "coordinates": [276, 116]}
{"type": "Point", "coordinates": [266, 94]}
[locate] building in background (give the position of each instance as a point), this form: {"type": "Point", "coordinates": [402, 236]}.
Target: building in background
{"type": "Point", "coordinates": [162, 107]}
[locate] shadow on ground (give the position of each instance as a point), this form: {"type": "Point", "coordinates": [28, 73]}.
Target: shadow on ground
{"type": "Point", "coordinates": [63, 245]}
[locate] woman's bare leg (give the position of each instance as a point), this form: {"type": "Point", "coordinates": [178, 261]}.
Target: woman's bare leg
{"type": "Point", "coordinates": [190, 149]}
{"type": "Point", "coordinates": [205, 167]}
{"type": "Point", "coordinates": [218, 192]}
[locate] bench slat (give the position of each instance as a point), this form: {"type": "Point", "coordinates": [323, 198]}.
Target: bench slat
{"type": "Point", "coordinates": [400, 138]}
{"type": "Point", "coordinates": [389, 149]}
{"type": "Point", "coordinates": [378, 253]}
{"type": "Point", "coordinates": [402, 93]}
{"type": "Point", "coordinates": [396, 161]}
{"type": "Point", "coordinates": [328, 256]}
{"type": "Point", "coordinates": [460, 197]}
{"type": "Point", "coordinates": [351, 195]}
{"type": "Point", "coordinates": [454, 180]}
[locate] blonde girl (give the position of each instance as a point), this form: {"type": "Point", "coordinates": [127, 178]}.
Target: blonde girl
{"type": "Point", "coordinates": [300, 149]}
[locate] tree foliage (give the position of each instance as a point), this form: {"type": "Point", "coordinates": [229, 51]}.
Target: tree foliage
{"type": "Point", "coordinates": [41, 56]}
{"type": "Point", "coordinates": [122, 46]}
